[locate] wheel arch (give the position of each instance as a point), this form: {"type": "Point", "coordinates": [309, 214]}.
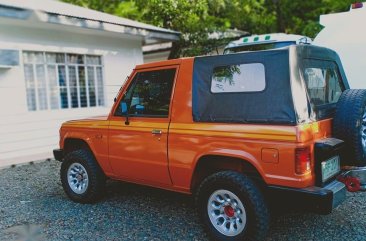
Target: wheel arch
{"type": "Point", "coordinates": [72, 144]}
{"type": "Point", "coordinates": [212, 163]}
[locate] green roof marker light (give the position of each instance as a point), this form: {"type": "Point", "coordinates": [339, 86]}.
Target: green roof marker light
{"type": "Point", "coordinates": [245, 40]}
{"type": "Point", "coordinates": [268, 37]}
{"type": "Point", "coordinates": [256, 38]}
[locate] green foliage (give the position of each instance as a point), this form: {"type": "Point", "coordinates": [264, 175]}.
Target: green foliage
{"type": "Point", "coordinates": [196, 19]}
{"type": "Point", "coordinates": [302, 17]}
{"type": "Point", "coordinates": [107, 6]}
{"type": "Point", "coordinates": [128, 9]}
{"type": "Point", "coordinates": [226, 73]}
{"type": "Point", "coordinates": [190, 17]}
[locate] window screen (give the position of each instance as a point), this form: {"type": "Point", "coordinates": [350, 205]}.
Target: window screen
{"type": "Point", "coordinates": [238, 78]}
{"type": "Point", "coordinates": [149, 94]}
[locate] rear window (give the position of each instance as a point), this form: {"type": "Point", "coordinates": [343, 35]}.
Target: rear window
{"type": "Point", "coordinates": [323, 83]}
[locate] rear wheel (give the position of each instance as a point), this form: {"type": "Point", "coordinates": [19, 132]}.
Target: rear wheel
{"type": "Point", "coordinates": [350, 125]}
{"type": "Point", "coordinates": [232, 207]}
{"type": "Point", "coordinates": [81, 177]}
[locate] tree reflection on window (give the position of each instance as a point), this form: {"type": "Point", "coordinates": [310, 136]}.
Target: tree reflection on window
{"type": "Point", "coordinates": [225, 74]}
{"type": "Point", "coordinates": [238, 78]}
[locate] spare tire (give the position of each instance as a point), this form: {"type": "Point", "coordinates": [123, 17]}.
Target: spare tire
{"type": "Point", "coordinates": [349, 125]}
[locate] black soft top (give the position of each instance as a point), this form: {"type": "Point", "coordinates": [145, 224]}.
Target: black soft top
{"type": "Point", "coordinates": [276, 104]}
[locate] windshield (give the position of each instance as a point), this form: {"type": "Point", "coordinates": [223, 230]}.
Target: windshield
{"type": "Point", "coordinates": [257, 47]}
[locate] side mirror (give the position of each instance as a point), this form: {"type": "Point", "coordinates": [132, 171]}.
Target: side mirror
{"type": "Point", "coordinates": [123, 107]}
{"type": "Point", "coordinates": [124, 110]}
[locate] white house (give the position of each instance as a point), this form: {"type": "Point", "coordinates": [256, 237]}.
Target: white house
{"type": "Point", "coordinates": [61, 62]}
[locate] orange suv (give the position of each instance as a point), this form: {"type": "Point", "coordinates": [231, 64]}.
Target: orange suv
{"type": "Point", "coordinates": [238, 131]}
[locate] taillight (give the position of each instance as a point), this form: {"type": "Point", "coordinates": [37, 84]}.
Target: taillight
{"type": "Point", "coordinates": [302, 160]}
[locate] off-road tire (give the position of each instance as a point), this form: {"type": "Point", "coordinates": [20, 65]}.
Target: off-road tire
{"type": "Point", "coordinates": [347, 125]}
{"type": "Point", "coordinates": [96, 178]}
{"type": "Point", "coordinates": [257, 212]}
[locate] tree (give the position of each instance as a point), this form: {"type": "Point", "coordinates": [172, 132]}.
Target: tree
{"type": "Point", "coordinates": [189, 17]}
{"type": "Point", "coordinates": [302, 17]}
{"type": "Point", "coordinates": [271, 16]}
{"type": "Point", "coordinates": [107, 6]}
{"type": "Point", "coordinates": [196, 19]}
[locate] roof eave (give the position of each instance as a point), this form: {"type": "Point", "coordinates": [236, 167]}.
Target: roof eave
{"type": "Point", "coordinates": [149, 35]}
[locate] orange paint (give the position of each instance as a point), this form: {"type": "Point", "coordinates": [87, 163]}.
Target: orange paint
{"type": "Point", "coordinates": [168, 160]}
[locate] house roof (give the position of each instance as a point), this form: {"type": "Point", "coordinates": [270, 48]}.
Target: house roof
{"type": "Point", "coordinates": [62, 13]}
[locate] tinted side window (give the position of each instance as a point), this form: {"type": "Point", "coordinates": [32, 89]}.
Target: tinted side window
{"type": "Point", "coordinates": [323, 82]}
{"type": "Point", "coordinates": [238, 78]}
{"type": "Point", "coordinates": [149, 94]}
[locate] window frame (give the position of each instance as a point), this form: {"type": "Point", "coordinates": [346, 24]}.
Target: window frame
{"type": "Point", "coordinates": [239, 92]}
{"type": "Point", "coordinates": [67, 66]}
{"type": "Point", "coordinates": [130, 82]}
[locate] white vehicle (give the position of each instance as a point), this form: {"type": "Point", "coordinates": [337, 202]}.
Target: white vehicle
{"type": "Point", "coordinates": [265, 41]}
{"type": "Point", "coordinates": [346, 34]}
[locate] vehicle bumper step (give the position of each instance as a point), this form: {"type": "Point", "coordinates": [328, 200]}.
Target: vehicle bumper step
{"type": "Point", "coordinates": [320, 200]}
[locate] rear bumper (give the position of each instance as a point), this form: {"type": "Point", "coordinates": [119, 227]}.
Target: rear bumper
{"type": "Point", "coordinates": [58, 154]}
{"type": "Point", "coordinates": [320, 200]}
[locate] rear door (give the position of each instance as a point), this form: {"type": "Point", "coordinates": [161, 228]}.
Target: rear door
{"type": "Point", "coordinates": [138, 148]}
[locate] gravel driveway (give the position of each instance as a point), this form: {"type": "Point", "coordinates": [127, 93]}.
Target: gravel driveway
{"type": "Point", "coordinates": [32, 201]}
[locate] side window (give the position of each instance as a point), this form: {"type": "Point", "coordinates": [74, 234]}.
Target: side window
{"type": "Point", "coordinates": [149, 94]}
{"type": "Point", "coordinates": [323, 82]}
{"type": "Point", "coordinates": [238, 78]}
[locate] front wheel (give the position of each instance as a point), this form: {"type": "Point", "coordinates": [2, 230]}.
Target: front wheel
{"type": "Point", "coordinates": [232, 207]}
{"type": "Point", "coordinates": [81, 177]}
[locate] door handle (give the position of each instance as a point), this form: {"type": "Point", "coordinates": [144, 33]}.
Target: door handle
{"type": "Point", "coordinates": [156, 132]}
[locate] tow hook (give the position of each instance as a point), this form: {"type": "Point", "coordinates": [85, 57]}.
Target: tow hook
{"type": "Point", "coordinates": [352, 183]}
{"type": "Point", "coordinates": [354, 178]}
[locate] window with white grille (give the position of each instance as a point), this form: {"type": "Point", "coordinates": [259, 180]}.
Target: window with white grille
{"type": "Point", "coordinates": [61, 80]}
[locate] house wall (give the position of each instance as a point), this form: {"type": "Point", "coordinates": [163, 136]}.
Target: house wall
{"type": "Point", "coordinates": [32, 135]}
{"type": "Point", "coordinates": [155, 57]}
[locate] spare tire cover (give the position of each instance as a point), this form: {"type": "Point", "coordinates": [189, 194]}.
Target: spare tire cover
{"type": "Point", "coordinates": [349, 125]}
